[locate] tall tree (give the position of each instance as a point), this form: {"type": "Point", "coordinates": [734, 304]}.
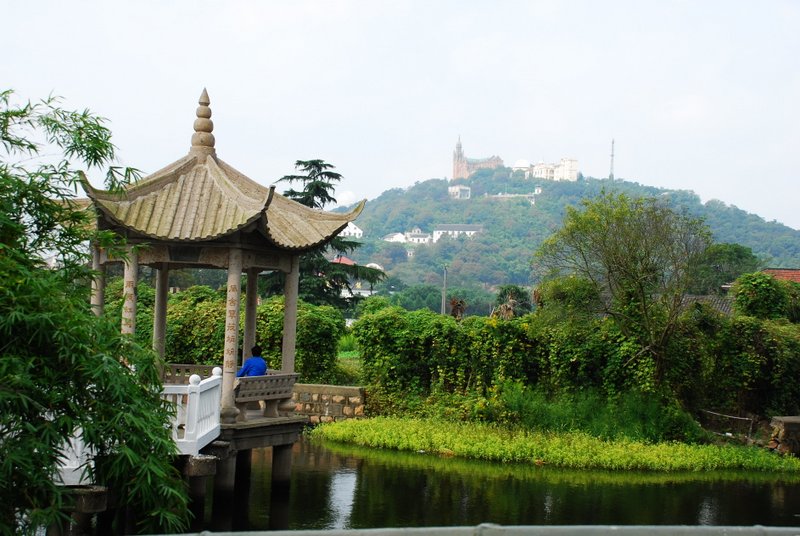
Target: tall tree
{"type": "Point", "coordinates": [63, 369]}
{"type": "Point", "coordinates": [638, 253]}
{"type": "Point", "coordinates": [720, 265]}
{"type": "Point", "coordinates": [323, 282]}
{"type": "Point", "coordinates": [318, 183]}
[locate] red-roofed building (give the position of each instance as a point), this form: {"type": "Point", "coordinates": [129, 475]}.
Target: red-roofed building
{"type": "Point", "coordinates": [341, 259]}
{"type": "Point", "coordinates": [785, 274]}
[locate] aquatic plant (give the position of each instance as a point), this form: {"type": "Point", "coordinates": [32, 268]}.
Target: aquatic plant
{"type": "Point", "coordinates": [576, 450]}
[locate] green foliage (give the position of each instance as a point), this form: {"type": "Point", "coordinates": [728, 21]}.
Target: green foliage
{"type": "Point", "coordinates": [195, 326]}
{"type": "Point", "coordinates": [417, 297]}
{"type": "Point", "coordinates": [514, 229]}
{"type": "Point", "coordinates": [632, 415]}
{"type": "Point", "coordinates": [760, 295]}
{"type": "Point", "coordinates": [319, 329]}
{"type": "Point", "coordinates": [570, 295]}
{"type": "Point", "coordinates": [568, 449]}
{"type": "Point", "coordinates": [322, 282]}
{"type": "Point", "coordinates": [145, 298]}
{"type": "Point", "coordinates": [516, 298]}
{"type": "Point", "coordinates": [318, 183]}
{"type": "Point", "coordinates": [638, 252]}
{"type": "Point", "coordinates": [719, 265]}
{"type": "Point", "coordinates": [63, 369]}
{"type": "Point", "coordinates": [371, 305]}
{"type": "Point", "coordinates": [347, 343]}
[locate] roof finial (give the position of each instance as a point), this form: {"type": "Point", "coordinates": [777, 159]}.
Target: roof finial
{"type": "Point", "coordinates": [203, 126]}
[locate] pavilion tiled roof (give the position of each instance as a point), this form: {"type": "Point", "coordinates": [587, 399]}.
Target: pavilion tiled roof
{"type": "Point", "coordinates": [200, 198]}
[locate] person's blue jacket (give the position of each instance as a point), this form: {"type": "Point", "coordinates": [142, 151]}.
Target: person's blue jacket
{"type": "Point", "coordinates": [255, 366]}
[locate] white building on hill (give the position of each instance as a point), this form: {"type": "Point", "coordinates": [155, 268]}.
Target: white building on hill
{"type": "Point", "coordinates": [455, 230]}
{"type": "Point", "coordinates": [351, 231]}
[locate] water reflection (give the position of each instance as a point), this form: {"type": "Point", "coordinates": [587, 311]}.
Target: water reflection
{"type": "Point", "coordinates": [344, 487]}
{"type": "Point", "coordinates": [340, 501]}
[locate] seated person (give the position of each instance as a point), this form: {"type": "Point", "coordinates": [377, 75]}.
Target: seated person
{"type": "Point", "coordinates": [255, 365]}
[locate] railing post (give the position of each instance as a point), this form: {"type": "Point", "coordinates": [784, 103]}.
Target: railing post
{"type": "Point", "coordinates": [192, 407]}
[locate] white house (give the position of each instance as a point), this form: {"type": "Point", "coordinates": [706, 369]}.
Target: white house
{"type": "Point", "coordinates": [351, 231]}
{"type": "Point", "coordinates": [416, 236]}
{"type": "Point", "coordinates": [459, 191]}
{"type": "Point", "coordinates": [455, 230]}
{"type": "Point", "coordinates": [566, 170]}
{"type": "Point", "coordinates": [395, 237]}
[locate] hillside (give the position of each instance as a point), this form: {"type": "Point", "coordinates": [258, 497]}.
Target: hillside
{"type": "Point", "coordinates": [514, 228]}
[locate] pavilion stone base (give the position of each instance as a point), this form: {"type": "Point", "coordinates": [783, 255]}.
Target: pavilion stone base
{"type": "Point", "coordinates": [328, 403]}
{"type": "Point", "coordinates": [786, 434]}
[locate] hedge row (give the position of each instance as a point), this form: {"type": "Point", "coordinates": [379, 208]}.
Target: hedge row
{"type": "Point", "coordinates": [739, 364]}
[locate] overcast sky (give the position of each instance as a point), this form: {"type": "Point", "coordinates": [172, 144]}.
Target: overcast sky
{"type": "Point", "coordinates": [699, 95]}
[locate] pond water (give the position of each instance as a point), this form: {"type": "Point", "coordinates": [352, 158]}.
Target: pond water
{"type": "Point", "coordinates": [336, 486]}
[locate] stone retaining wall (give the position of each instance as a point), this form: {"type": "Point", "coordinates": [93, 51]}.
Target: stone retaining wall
{"type": "Point", "coordinates": [328, 403]}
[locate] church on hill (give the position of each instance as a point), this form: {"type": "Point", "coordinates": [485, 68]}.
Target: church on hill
{"type": "Point", "coordinates": [463, 167]}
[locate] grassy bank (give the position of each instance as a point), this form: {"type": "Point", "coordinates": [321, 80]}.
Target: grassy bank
{"type": "Point", "coordinates": [574, 450]}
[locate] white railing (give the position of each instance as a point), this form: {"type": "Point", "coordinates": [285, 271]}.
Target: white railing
{"type": "Point", "coordinates": [196, 424]}
{"type": "Point", "coordinates": [196, 421]}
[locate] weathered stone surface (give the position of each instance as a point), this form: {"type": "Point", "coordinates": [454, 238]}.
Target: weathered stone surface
{"type": "Point", "coordinates": [326, 418]}
{"type": "Point", "coordinates": [314, 419]}
{"type": "Point", "coordinates": [786, 434]}
{"type": "Point", "coordinates": [337, 402]}
{"type": "Point", "coordinates": [87, 499]}
{"type": "Point", "coordinates": [200, 465]}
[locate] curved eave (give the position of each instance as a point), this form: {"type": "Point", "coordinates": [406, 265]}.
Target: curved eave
{"type": "Point", "coordinates": [293, 226]}
{"type": "Point", "coordinates": [192, 200]}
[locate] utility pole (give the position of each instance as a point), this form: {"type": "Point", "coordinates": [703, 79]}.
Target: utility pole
{"type": "Point", "coordinates": [611, 173]}
{"type": "Point", "coordinates": [444, 290]}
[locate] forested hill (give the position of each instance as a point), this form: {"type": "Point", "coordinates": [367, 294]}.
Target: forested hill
{"type": "Point", "coordinates": [514, 228]}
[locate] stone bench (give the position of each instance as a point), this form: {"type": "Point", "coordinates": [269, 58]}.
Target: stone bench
{"type": "Point", "coordinates": [273, 389]}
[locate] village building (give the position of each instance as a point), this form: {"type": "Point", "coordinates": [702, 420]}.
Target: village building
{"type": "Point", "coordinates": [455, 230]}
{"type": "Point", "coordinates": [352, 231]}
{"type": "Point", "coordinates": [459, 192]}
{"type": "Point", "coordinates": [416, 236]}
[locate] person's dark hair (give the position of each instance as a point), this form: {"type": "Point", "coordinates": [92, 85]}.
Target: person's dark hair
{"type": "Point", "coordinates": [255, 350]}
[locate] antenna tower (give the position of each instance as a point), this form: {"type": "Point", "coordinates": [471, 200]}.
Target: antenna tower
{"type": "Point", "coordinates": [611, 173]}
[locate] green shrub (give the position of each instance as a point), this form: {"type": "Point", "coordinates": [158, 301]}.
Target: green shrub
{"type": "Point", "coordinates": [633, 415]}
{"type": "Point", "coordinates": [760, 295]}
{"type": "Point", "coordinates": [318, 331]}
{"type": "Point", "coordinates": [347, 343]}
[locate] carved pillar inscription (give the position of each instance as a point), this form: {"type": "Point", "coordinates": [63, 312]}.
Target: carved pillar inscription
{"type": "Point", "coordinates": [129, 292]}
{"type": "Point", "coordinates": [228, 412]}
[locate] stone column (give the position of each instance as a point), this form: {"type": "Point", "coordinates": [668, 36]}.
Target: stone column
{"type": "Point", "coordinates": [290, 291]}
{"type": "Point", "coordinates": [129, 292]}
{"type": "Point", "coordinates": [160, 310]}
{"type": "Point", "coordinates": [98, 282]}
{"type": "Point", "coordinates": [229, 412]}
{"type": "Point", "coordinates": [251, 306]}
